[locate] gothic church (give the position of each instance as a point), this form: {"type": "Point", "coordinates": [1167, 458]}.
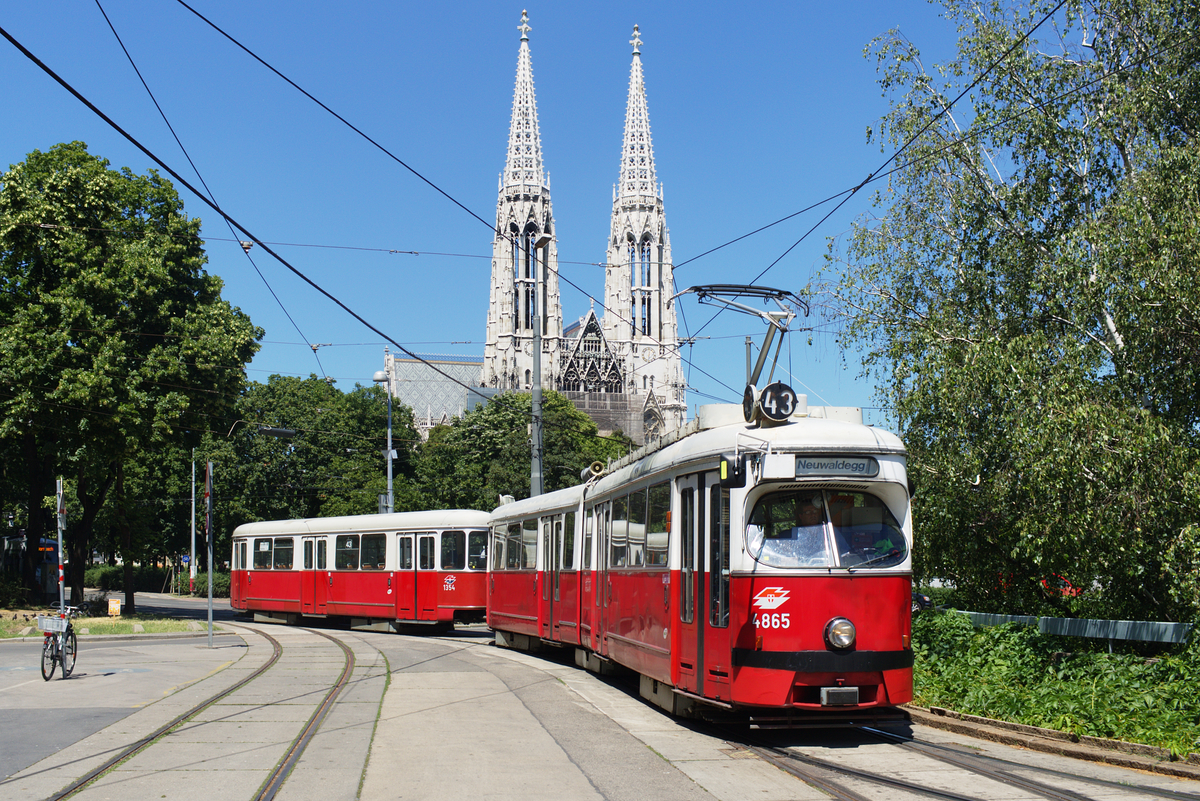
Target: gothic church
{"type": "Point", "coordinates": [623, 368]}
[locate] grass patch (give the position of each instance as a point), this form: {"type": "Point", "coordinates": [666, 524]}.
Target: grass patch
{"type": "Point", "coordinates": [14, 621]}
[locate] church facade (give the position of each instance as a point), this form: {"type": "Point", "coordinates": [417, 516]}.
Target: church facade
{"type": "Point", "coordinates": [622, 367]}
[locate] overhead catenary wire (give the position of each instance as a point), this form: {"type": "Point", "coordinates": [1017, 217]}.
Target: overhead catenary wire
{"type": "Point", "coordinates": [877, 175]}
{"type": "Point", "coordinates": [846, 195]}
{"type": "Point", "coordinates": [196, 170]}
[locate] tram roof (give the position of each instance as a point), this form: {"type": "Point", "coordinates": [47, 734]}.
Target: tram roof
{"type": "Point", "coordinates": [431, 519]}
{"type": "Point", "coordinates": [720, 429]}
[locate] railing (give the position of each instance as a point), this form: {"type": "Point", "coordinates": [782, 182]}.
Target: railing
{"type": "Point", "coordinates": [1140, 630]}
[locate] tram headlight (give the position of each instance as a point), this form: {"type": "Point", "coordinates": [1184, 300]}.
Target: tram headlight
{"type": "Point", "coordinates": [839, 633]}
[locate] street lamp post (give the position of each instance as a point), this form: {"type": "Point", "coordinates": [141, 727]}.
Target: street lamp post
{"type": "Point", "coordinates": [381, 377]}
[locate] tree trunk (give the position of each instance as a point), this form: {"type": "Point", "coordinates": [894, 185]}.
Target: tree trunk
{"type": "Point", "coordinates": [126, 542]}
{"type": "Point", "coordinates": [37, 470]}
{"type": "Point", "coordinates": [81, 536]}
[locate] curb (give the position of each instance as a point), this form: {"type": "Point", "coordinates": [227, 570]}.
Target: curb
{"type": "Point", "coordinates": [162, 635]}
{"type": "Point", "coordinates": [1050, 741]}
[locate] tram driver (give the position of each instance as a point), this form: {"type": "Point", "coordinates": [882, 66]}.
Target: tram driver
{"type": "Point", "coordinates": [789, 530]}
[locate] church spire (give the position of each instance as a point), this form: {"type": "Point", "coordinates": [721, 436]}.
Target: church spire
{"type": "Point", "coordinates": [524, 164]}
{"type": "Point", "coordinates": [639, 319]}
{"type": "Point", "coordinates": [637, 155]}
{"type": "Point", "coordinates": [524, 289]}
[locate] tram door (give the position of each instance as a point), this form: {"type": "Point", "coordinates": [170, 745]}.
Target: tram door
{"type": "Point", "coordinates": [689, 656]}
{"type": "Point", "coordinates": [600, 590]}
{"type": "Point", "coordinates": [716, 646]}
{"type": "Point", "coordinates": [703, 654]}
{"type": "Point", "coordinates": [405, 579]}
{"type": "Point", "coordinates": [314, 578]}
{"type": "Point", "coordinates": [551, 532]}
{"type": "Point", "coordinates": [428, 582]}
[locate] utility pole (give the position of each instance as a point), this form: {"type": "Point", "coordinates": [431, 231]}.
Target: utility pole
{"type": "Point", "coordinates": [384, 377]}
{"type": "Point", "coordinates": [535, 471]}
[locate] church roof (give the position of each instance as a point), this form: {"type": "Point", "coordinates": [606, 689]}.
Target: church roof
{"type": "Point", "coordinates": [524, 164]}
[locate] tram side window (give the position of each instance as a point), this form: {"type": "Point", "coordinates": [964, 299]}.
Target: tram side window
{"type": "Point", "coordinates": [308, 554]}
{"type": "Point", "coordinates": [477, 550]}
{"type": "Point", "coordinates": [618, 555]}
{"type": "Point", "coordinates": [262, 554]}
{"type": "Point", "coordinates": [589, 525]}
{"type": "Point", "coordinates": [242, 554]}
{"type": "Point", "coordinates": [321, 548]}
{"type": "Point", "coordinates": [687, 544]}
{"type": "Point", "coordinates": [718, 546]}
{"type": "Point", "coordinates": [404, 552]}
{"type": "Point", "coordinates": [658, 525]}
{"type": "Point", "coordinates": [498, 548]}
{"type": "Point", "coordinates": [529, 532]}
{"type": "Point", "coordinates": [568, 558]}
{"type": "Point", "coordinates": [345, 552]}
{"type": "Point", "coordinates": [454, 550]}
{"type": "Point", "coordinates": [374, 551]}
{"type": "Point", "coordinates": [637, 528]}
{"type": "Point", "coordinates": [284, 553]}
{"type": "Point", "coordinates": [514, 551]}
{"type": "Point", "coordinates": [425, 552]}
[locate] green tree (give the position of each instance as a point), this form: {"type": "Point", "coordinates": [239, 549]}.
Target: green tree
{"type": "Point", "coordinates": [331, 462]}
{"type": "Point", "coordinates": [486, 453]}
{"type": "Point", "coordinates": [115, 342]}
{"type": "Point", "coordinates": [1027, 299]}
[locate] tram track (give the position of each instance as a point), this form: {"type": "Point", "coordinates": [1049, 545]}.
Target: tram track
{"type": "Point", "coordinates": [839, 780]}
{"type": "Point", "coordinates": [279, 774]}
{"type": "Point", "coordinates": [284, 768]}
{"type": "Point", "coordinates": [142, 744]}
{"type": "Point", "coordinates": [995, 766]}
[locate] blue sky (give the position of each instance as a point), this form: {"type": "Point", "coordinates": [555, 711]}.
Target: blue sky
{"type": "Point", "coordinates": [757, 112]}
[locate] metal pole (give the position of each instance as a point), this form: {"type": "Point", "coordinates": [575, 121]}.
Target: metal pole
{"type": "Point", "coordinates": [62, 527]}
{"type": "Point", "coordinates": [390, 453]}
{"type": "Point", "coordinates": [208, 514]}
{"type": "Point", "coordinates": [384, 377]}
{"type": "Point", "coordinates": [192, 553]}
{"type": "Point", "coordinates": [535, 469]}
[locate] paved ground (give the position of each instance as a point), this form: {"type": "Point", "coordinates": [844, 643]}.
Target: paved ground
{"type": "Point", "coordinates": [422, 718]}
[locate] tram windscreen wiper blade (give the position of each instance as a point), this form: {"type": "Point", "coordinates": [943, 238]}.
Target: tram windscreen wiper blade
{"type": "Point", "coordinates": [880, 558]}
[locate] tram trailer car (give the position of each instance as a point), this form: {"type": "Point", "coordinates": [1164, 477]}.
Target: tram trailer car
{"type": "Point", "coordinates": [381, 571]}
{"type": "Point", "coordinates": [763, 571]}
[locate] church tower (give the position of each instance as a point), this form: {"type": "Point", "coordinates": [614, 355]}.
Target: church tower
{"type": "Point", "coordinates": [639, 317]}
{"type": "Point", "coordinates": [524, 252]}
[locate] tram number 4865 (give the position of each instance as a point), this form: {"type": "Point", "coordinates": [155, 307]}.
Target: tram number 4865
{"type": "Point", "coordinates": [773, 620]}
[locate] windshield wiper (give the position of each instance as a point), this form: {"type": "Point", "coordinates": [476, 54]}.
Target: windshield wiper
{"type": "Point", "coordinates": [880, 558]}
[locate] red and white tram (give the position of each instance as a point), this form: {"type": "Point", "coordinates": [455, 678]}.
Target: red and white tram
{"type": "Point", "coordinates": [761, 569]}
{"type": "Point", "coordinates": [380, 571]}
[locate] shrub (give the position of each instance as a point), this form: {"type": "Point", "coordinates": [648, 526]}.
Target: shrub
{"type": "Point", "coordinates": [146, 578]}
{"type": "Point", "coordinates": [13, 594]}
{"type": "Point", "coordinates": [1017, 674]}
{"type": "Point", "coordinates": [220, 585]}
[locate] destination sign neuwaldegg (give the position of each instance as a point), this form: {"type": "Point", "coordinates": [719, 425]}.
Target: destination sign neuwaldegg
{"type": "Point", "coordinates": [862, 466]}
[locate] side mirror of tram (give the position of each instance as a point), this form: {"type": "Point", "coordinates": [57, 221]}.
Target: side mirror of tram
{"type": "Point", "coordinates": [733, 472]}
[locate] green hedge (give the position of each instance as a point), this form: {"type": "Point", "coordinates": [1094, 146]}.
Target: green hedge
{"type": "Point", "coordinates": [220, 585]}
{"type": "Point", "coordinates": [153, 579]}
{"type": "Point", "coordinates": [1144, 694]}
{"type": "Point", "coordinates": [13, 594]}
{"type": "Point", "coordinates": [112, 579]}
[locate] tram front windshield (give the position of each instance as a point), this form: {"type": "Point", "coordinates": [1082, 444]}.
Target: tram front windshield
{"type": "Point", "coordinates": [824, 528]}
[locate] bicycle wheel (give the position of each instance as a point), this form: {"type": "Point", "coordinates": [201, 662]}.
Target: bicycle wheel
{"type": "Point", "coordinates": [49, 657]}
{"type": "Point", "coordinates": [68, 654]}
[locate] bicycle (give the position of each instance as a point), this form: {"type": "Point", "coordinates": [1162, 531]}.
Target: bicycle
{"type": "Point", "coordinates": [59, 644]}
